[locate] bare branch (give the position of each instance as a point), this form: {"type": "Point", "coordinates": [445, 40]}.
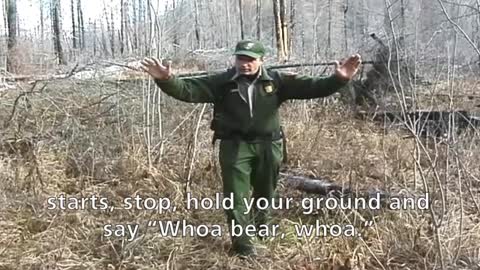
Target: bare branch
{"type": "Point", "coordinates": [462, 5]}
{"type": "Point", "coordinates": [465, 35]}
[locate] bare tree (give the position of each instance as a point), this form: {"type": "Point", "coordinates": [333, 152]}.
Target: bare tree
{"type": "Point", "coordinates": [148, 28]}
{"type": "Point", "coordinates": [283, 19]}
{"type": "Point", "coordinates": [175, 30]}
{"type": "Point", "coordinates": [211, 35]}
{"type": "Point", "coordinates": [135, 25]}
{"type": "Point", "coordinates": [258, 8]}
{"type": "Point", "coordinates": [56, 29]}
{"type": "Point", "coordinates": [336, 13]}
{"type": "Point", "coordinates": [122, 25]}
{"type": "Point", "coordinates": [281, 55]}
{"type": "Point", "coordinates": [403, 22]}
{"type": "Point", "coordinates": [345, 30]}
{"type": "Point", "coordinates": [141, 25]}
{"type": "Point", "coordinates": [197, 24]}
{"type": "Point", "coordinates": [477, 27]}
{"type": "Point", "coordinates": [12, 33]}
{"type": "Point", "coordinates": [80, 25]}
{"type": "Point", "coordinates": [458, 28]}
{"type": "Point", "coordinates": [104, 39]}
{"type": "Point", "coordinates": [112, 33]}
{"type": "Point", "coordinates": [228, 23]}
{"type": "Point", "coordinates": [292, 25]}
{"type": "Point", "coordinates": [240, 11]}
{"type": "Point", "coordinates": [42, 27]}
{"type": "Point", "coordinates": [74, 28]}
{"type": "Point", "coordinates": [94, 38]}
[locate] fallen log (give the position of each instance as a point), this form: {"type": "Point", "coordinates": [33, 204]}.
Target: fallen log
{"type": "Point", "coordinates": [328, 188]}
{"type": "Point", "coordinates": [130, 67]}
{"type": "Point", "coordinates": [271, 67]}
{"type": "Point", "coordinates": [427, 123]}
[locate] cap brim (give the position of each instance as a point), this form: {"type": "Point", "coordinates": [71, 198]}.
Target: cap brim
{"type": "Point", "coordinates": [248, 53]}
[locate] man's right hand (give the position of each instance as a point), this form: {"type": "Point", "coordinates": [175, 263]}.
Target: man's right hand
{"type": "Point", "coordinates": [156, 69]}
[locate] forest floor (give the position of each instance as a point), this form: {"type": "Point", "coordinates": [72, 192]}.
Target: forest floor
{"type": "Point", "coordinates": [82, 139]}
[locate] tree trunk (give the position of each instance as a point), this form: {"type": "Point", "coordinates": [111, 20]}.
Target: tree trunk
{"type": "Point", "coordinates": [477, 27]}
{"type": "Point", "coordinates": [197, 25]}
{"type": "Point", "coordinates": [353, 6]}
{"type": "Point", "coordinates": [112, 33]}
{"type": "Point", "coordinates": [259, 19]}
{"type": "Point", "coordinates": [141, 25]}
{"type": "Point", "coordinates": [148, 29]}
{"type": "Point", "coordinates": [240, 10]}
{"type": "Point", "coordinates": [74, 32]}
{"type": "Point", "coordinates": [80, 25]}
{"type": "Point", "coordinates": [477, 31]}
{"type": "Point", "coordinates": [302, 34]}
{"type": "Point", "coordinates": [135, 25]}
{"type": "Point", "coordinates": [127, 28]}
{"type": "Point", "coordinates": [175, 30]}
{"type": "Point", "coordinates": [105, 36]}
{"type": "Point", "coordinates": [316, 44]}
{"type": "Point", "coordinates": [157, 29]}
{"type": "Point", "coordinates": [227, 24]}
{"type": "Point", "coordinates": [365, 22]}
{"type": "Point", "coordinates": [122, 25]}
{"type": "Point", "coordinates": [283, 18]}
{"type": "Point", "coordinates": [328, 48]}
{"type": "Point", "coordinates": [12, 34]}
{"type": "Point", "coordinates": [42, 27]}
{"type": "Point", "coordinates": [292, 25]}
{"type": "Point", "coordinates": [278, 31]}
{"type": "Point", "coordinates": [213, 37]}
{"type": "Point", "coordinates": [95, 38]}
{"type": "Point", "coordinates": [56, 28]}
{"type": "Point", "coordinates": [345, 31]}
{"type": "Point", "coordinates": [104, 39]}
{"type": "Point", "coordinates": [404, 25]}
{"type": "Point", "coordinates": [18, 28]}
{"type": "Point", "coordinates": [335, 22]}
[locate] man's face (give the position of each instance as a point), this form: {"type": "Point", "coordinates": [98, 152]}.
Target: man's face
{"type": "Point", "coordinates": [246, 65]}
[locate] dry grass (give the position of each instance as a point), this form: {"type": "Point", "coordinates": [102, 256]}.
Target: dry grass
{"type": "Point", "coordinates": [459, 94]}
{"type": "Point", "coordinates": [84, 138]}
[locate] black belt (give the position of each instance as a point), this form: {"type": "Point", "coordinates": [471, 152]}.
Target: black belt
{"type": "Point", "coordinates": [249, 137]}
{"type": "Point", "coordinates": [254, 138]}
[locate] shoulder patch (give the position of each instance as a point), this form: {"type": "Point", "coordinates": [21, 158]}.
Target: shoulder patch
{"type": "Point", "coordinates": [269, 87]}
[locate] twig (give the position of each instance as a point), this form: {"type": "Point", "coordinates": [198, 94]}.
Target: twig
{"type": "Point", "coordinates": [192, 162]}
{"type": "Point", "coordinates": [462, 5]}
{"type": "Point", "coordinates": [465, 35]}
{"type": "Point", "coordinates": [15, 103]}
{"type": "Point", "coordinates": [99, 101]}
{"type": "Point", "coordinates": [120, 65]}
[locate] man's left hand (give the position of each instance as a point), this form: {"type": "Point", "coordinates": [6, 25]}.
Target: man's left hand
{"type": "Point", "coordinates": [346, 69]}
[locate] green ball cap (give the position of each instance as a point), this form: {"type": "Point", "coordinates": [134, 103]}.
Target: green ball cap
{"type": "Point", "coordinates": [250, 48]}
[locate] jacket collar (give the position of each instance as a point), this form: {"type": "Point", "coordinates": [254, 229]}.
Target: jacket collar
{"type": "Point", "coordinates": [262, 76]}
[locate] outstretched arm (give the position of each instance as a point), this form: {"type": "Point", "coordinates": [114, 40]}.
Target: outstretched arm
{"type": "Point", "coordinates": [307, 87]}
{"type": "Point", "coordinates": [193, 90]}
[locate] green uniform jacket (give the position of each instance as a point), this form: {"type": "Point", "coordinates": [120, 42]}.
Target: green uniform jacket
{"type": "Point", "coordinates": [232, 112]}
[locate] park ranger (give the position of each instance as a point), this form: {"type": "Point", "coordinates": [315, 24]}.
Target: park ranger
{"type": "Point", "coordinates": [246, 100]}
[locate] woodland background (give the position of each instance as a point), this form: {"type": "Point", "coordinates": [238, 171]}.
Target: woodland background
{"type": "Point", "coordinates": [77, 119]}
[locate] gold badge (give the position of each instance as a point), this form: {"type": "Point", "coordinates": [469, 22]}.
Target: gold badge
{"type": "Point", "coordinates": [269, 88]}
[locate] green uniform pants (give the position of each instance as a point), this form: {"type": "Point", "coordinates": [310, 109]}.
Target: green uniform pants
{"type": "Point", "coordinates": [249, 167]}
